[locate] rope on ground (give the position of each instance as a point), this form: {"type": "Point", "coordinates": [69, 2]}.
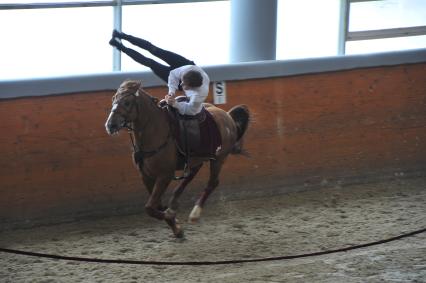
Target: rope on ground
{"type": "Point", "coordinates": [197, 263]}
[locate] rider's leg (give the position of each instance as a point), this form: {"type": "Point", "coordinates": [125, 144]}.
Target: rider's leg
{"type": "Point", "coordinates": [160, 70]}
{"type": "Point", "coordinates": [171, 58]}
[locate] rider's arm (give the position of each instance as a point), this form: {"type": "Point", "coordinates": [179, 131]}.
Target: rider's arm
{"type": "Point", "coordinates": [196, 95]}
{"type": "Point", "coordinates": [194, 105]}
{"type": "Point", "coordinates": [174, 79]}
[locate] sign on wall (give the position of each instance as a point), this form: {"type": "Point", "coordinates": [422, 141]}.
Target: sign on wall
{"type": "Point", "coordinates": [219, 92]}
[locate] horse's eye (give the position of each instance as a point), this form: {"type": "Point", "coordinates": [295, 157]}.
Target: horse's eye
{"type": "Point", "coordinates": [126, 103]}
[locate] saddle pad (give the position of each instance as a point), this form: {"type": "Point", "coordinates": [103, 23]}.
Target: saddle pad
{"type": "Point", "coordinates": [209, 140]}
{"type": "Point", "coordinates": [210, 136]}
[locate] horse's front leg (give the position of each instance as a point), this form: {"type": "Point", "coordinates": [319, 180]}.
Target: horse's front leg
{"type": "Point", "coordinates": [149, 183]}
{"type": "Point", "coordinates": [173, 203]}
{"type": "Point", "coordinates": [154, 202]}
{"type": "Point", "coordinates": [215, 167]}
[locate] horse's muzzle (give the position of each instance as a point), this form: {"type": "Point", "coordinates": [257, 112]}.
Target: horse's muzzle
{"type": "Point", "coordinates": [113, 124]}
{"type": "Point", "coordinates": [111, 130]}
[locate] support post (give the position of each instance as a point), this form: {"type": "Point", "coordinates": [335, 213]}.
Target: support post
{"type": "Point", "coordinates": [253, 30]}
{"type": "Point", "coordinates": [116, 54]}
{"type": "Point", "coordinates": [343, 26]}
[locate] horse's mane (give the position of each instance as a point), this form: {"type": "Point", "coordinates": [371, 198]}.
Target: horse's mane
{"type": "Point", "coordinates": [132, 87]}
{"type": "Point", "coordinates": [129, 86]}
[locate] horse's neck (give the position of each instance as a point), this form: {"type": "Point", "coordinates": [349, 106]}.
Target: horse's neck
{"type": "Point", "coordinates": [151, 127]}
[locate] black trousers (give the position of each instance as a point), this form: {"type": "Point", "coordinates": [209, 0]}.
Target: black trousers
{"type": "Point", "coordinates": [172, 59]}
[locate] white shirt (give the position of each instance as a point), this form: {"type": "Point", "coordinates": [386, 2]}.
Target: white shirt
{"type": "Point", "coordinates": [196, 95]}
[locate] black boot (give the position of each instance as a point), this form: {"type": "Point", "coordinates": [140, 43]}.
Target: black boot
{"type": "Point", "coordinates": [116, 33]}
{"type": "Point", "coordinates": [142, 43]}
{"type": "Point", "coordinates": [117, 44]}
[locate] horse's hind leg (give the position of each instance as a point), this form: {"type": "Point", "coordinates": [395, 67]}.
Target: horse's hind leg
{"type": "Point", "coordinates": [173, 203]}
{"type": "Point", "coordinates": [215, 167]}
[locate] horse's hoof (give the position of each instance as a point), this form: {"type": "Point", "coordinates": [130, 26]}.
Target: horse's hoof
{"type": "Point", "coordinates": [178, 231]}
{"type": "Point", "coordinates": [162, 208]}
{"type": "Point", "coordinates": [195, 214]}
{"type": "Point", "coordinates": [170, 214]}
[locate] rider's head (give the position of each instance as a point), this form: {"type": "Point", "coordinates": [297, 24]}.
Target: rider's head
{"type": "Point", "coordinates": [192, 79]}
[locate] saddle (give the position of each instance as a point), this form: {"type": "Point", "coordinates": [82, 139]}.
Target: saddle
{"type": "Point", "coordinates": [195, 135]}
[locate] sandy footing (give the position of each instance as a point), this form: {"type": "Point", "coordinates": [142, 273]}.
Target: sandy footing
{"type": "Point", "coordinates": [289, 224]}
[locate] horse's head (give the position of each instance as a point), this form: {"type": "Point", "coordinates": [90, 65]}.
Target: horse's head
{"type": "Point", "coordinates": [124, 107]}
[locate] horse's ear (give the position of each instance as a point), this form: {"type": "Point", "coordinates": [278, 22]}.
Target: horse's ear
{"type": "Point", "coordinates": [139, 84]}
{"type": "Point", "coordinates": [124, 83]}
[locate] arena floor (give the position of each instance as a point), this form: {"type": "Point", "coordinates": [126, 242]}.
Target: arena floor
{"type": "Point", "coordinates": [289, 224]}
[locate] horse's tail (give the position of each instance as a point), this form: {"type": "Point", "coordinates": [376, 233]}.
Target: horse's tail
{"type": "Point", "coordinates": [241, 116]}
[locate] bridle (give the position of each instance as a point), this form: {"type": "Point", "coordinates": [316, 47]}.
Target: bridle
{"type": "Point", "coordinates": [139, 154]}
{"type": "Point", "coordinates": [126, 123]}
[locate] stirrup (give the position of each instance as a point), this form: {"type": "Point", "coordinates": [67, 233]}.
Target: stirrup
{"type": "Point", "coordinates": [186, 173]}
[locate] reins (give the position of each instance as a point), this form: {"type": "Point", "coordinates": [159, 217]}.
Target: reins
{"type": "Point", "coordinates": [144, 154]}
{"type": "Point", "coordinates": [138, 152]}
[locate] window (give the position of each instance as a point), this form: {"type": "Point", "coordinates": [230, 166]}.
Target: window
{"type": "Point", "coordinates": [61, 38]}
{"type": "Point", "coordinates": [307, 28]}
{"type": "Point", "coordinates": [197, 31]}
{"type": "Point", "coordinates": [55, 42]}
{"type": "Point", "coordinates": [385, 44]}
{"type": "Point", "coordinates": [385, 14]}
{"type": "Point", "coordinates": [385, 25]}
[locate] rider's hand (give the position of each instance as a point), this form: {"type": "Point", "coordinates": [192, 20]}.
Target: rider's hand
{"type": "Point", "coordinates": [170, 100]}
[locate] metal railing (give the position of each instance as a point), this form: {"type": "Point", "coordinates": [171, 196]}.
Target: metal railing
{"type": "Point", "coordinates": [99, 3]}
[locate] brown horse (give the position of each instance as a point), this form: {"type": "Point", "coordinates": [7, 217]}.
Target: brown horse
{"type": "Point", "coordinates": [134, 109]}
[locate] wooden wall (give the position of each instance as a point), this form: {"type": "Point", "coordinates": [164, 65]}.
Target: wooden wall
{"type": "Point", "coordinates": [57, 163]}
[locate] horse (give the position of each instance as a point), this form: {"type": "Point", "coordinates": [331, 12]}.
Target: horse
{"type": "Point", "coordinates": [151, 132]}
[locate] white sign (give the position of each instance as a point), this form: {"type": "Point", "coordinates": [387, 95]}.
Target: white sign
{"type": "Point", "coordinates": [219, 93]}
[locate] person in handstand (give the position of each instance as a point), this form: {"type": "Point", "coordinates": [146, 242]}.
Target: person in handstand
{"type": "Point", "coordinates": [181, 73]}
